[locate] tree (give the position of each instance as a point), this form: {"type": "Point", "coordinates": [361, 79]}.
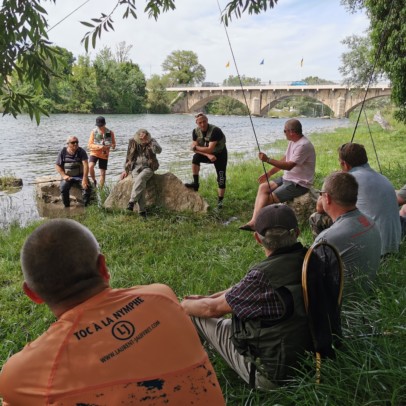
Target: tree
{"type": "Point", "coordinates": [387, 51]}
{"type": "Point", "coordinates": [245, 80]}
{"type": "Point", "coordinates": [25, 49]}
{"type": "Point", "coordinates": [183, 68]}
{"type": "Point", "coordinates": [158, 100]}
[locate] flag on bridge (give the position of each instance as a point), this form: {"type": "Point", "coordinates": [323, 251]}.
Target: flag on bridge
{"type": "Point", "coordinates": [228, 64]}
{"type": "Point", "coordinates": [301, 63]}
{"type": "Point", "coordinates": [262, 62]}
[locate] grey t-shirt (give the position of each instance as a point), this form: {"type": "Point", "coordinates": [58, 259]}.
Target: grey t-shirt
{"type": "Point", "coordinates": [358, 241]}
{"type": "Point", "coordinates": [377, 200]}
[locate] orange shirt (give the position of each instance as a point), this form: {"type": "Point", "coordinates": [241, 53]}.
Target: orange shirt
{"type": "Point", "coordinates": [122, 346]}
{"type": "Point", "coordinates": [99, 148]}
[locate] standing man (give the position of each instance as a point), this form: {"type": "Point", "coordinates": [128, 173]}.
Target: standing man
{"type": "Point", "coordinates": [268, 331]}
{"type": "Point", "coordinates": [355, 235]}
{"type": "Point", "coordinates": [100, 141]}
{"type": "Point", "coordinates": [298, 163]}
{"type": "Point", "coordinates": [72, 165]}
{"type": "Point", "coordinates": [142, 162]}
{"type": "Point", "coordinates": [108, 346]}
{"type": "Point", "coordinates": [209, 146]}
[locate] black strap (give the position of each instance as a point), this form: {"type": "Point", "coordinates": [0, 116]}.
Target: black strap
{"type": "Point", "coordinates": [253, 370]}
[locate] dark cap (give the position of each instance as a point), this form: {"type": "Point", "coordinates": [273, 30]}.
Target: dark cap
{"type": "Point", "coordinates": [100, 121]}
{"type": "Point", "coordinates": [273, 216]}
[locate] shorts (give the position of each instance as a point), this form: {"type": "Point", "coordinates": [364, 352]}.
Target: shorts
{"type": "Point", "coordinates": [288, 190]}
{"type": "Point", "coordinates": [102, 162]}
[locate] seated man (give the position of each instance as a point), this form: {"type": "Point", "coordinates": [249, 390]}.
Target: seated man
{"type": "Point", "coordinates": [269, 325]}
{"type": "Point", "coordinates": [401, 196]}
{"type": "Point", "coordinates": [355, 235]}
{"type": "Point", "coordinates": [298, 163]}
{"type": "Point", "coordinates": [108, 346]}
{"type": "Point", "coordinates": [142, 162]}
{"type": "Point", "coordinates": [72, 164]}
{"type": "Point", "coordinates": [376, 196]}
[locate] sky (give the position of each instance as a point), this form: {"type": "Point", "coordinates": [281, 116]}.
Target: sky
{"type": "Point", "coordinates": [281, 37]}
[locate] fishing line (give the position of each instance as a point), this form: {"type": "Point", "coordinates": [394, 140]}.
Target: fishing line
{"type": "Point", "coordinates": [243, 92]}
{"type": "Point", "coordinates": [63, 19]}
{"type": "Point", "coordinates": [378, 54]}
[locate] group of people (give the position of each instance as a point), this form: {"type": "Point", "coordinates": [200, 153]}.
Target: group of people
{"type": "Point", "coordinates": [141, 343]}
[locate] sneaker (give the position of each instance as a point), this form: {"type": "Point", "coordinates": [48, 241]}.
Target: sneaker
{"type": "Point", "coordinates": [130, 206]}
{"type": "Point", "coordinates": [192, 185]}
{"type": "Point", "coordinates": [220, 204]}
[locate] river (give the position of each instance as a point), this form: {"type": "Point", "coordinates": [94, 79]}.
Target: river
{"type": "Point", "coordinates": [28, 151]}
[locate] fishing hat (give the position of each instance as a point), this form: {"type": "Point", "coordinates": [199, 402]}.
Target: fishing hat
{"type": "Point", "coordinates": [275, 216]}
{"type": "Point", "coordinates": [100, 121]}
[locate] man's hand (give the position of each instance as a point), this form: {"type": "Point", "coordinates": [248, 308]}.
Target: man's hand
{"type": "Point", "coordinates": [263, 157]}
{"type": "Point", "coordinates": [123, 175]}
{"type": "Point", "coordinates": [263, 177]}
{"type": "Point", "coordinates": [85, 183]}
{"type": "Point", "coordinates": [211, 157]}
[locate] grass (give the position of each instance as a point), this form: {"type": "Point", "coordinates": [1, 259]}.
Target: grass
{"type": "Point", "coordinates": [195, 253]}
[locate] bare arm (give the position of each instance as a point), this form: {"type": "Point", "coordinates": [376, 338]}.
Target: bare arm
{"type": "Point", "coordinates": [206, 307]}
{"type": "Point", "coordinates": [61, 172]}
{"type": "Point", "coordinates": [280, 164]}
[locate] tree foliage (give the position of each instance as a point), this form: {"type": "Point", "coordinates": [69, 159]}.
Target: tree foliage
{"type": "Point", "coordinates": [245, 80]}
{"type": "Point", "coordinates": [183, 68]}
{"type": "Point", "coordinates": [387, 52]}
{"type": "Point", "coordinates": [27, 53]}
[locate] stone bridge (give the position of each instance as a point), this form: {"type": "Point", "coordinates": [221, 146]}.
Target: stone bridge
{"type": "Point", "coordinates": [340, 99]}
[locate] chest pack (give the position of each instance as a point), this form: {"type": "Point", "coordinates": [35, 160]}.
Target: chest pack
{"type": "Point", "coordinates": [102, 139]}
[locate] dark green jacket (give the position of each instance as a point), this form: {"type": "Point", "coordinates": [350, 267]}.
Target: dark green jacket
{"type": "Point", "coordinates": [276, 345]}
{"type": "Point", "coordinates": [203, 140]}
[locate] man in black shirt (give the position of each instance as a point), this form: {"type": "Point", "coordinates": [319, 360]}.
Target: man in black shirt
{"type": "Point", "coordinates": [209, 146]}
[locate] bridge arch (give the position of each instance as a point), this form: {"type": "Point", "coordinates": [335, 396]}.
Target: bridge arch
{"type": "Point", "coordinates": [340, 99]}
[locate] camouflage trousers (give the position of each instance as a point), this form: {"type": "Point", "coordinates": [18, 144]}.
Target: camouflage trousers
{"type": "Point", "coordinates": [319, 222]}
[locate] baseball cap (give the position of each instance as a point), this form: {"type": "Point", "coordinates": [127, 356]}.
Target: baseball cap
{"type": "Point", "coordinates": [100, 121]}
{"type": "Point", "coordinates": [273, 216]}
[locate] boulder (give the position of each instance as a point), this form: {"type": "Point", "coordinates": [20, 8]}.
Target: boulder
{"type": "Point", "coordinates": [164, 190]}
{"type": "Point", "coordinates": [47, 191]}
{"type": "Point", "coordinates": [304, 205]}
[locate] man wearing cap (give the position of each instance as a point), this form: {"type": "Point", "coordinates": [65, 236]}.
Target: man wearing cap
{"type": "Point", "coordinates": [209, 146]}
{"type": "Point", "coordinates": [72, 165]}
{"type": "Point", "coordinates": [298, 164]}
{"type": "Point", "coordinates": [100, 141]}
{"type": "Point", "coordinates": [268, 331]}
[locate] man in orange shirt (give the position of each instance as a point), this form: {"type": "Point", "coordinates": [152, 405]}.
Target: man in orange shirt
{"type": "Point", "coordinates": [108, 346]}
{"type": "Point", "coordinates": [100, 141]}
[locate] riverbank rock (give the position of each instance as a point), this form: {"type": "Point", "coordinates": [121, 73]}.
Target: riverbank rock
{"type": "Point", "coordinates": [304, 205]}
{"type": "Point", "coordinates": [164, 190]}
{"type": "Point", "coordinates": [49, 201]}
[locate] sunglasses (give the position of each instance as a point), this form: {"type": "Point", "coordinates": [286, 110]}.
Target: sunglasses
{"type": "Point", "coordinates": [73, 142]}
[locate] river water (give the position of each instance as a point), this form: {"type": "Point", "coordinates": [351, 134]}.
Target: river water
{"type": "Point", "coordinates": [28, 151]}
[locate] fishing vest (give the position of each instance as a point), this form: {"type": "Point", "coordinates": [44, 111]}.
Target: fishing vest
{"type": "Point", "coordinates": [72, 165]}
{"type": "Point", "coordinates": [102, 139]}
{"type": "Point", "coordinates": [274, 346]}
{"type": "Point", "coordinates": [203, 140]}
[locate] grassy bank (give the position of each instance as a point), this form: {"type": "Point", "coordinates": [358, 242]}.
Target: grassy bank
{"type": "Point", "coordinates": [206, 253]}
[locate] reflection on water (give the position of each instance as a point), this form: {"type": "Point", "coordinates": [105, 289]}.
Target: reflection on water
{"type": "Point", "coordinates": [28, 151]}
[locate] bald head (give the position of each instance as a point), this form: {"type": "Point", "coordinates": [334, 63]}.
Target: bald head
{"type": "Point", "coordinates": [60, 261]}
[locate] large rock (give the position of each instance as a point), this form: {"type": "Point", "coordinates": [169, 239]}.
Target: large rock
{"type": "Point", "coordinates": [49, 201]}
{"type": "Point", "coordinates": [165, 190]}
{"type": "Point", "coordinates": [304, 205]}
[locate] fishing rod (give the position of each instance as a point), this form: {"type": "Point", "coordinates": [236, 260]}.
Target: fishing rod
{"type": "Point", "coordinates": [245, 99]}
{"type": "Point", "coordinates": [377, 56]}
